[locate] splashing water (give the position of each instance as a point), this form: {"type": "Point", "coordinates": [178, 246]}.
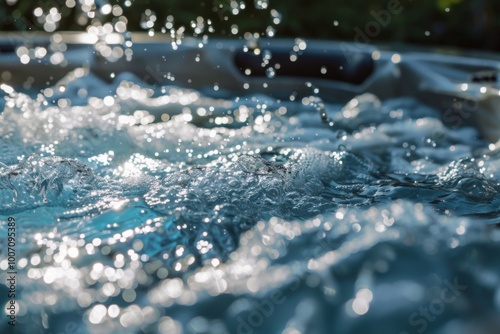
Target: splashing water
{"type": "Point", "coordinates": [145, 209]}
{"type": "Point", "coordinates": [142, 211]}
{"type": "Point", "coordinates": [107, 27]}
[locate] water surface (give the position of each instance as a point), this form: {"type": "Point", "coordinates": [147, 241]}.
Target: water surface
{"type": "Point", "coordinates": [147, 209]}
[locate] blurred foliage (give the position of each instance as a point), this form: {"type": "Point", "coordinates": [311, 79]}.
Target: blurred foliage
{"type": "Point", "coordinates": [461, 23]}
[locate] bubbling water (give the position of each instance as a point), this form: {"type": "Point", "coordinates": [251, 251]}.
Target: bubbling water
{"type": "Point", "coordinates": [161, 210]}
{"type": "Point", "coordinates": [138, 205]}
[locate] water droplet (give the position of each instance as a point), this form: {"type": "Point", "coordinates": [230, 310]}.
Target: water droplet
{"type": "Point", "coordinates": [270, 72]}
{"type": "Point", "coordinates": [261, 4]}
{"type": "Point", "coordinates": [270, 32]}
{"type": "Point", "coordinates": [267, 55]}
{"type": "Point", "coordinates": [277, 17]}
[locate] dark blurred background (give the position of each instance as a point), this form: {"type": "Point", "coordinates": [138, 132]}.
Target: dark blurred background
{"type": "Point", "coordinates": [459, 23]}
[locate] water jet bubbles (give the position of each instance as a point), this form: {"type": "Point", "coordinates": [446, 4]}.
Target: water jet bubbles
{"type": "Point", "coordinates": [261, 4]}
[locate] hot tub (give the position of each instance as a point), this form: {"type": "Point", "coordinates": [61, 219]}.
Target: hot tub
{"type": "Point", "coordinates": [273, 186]}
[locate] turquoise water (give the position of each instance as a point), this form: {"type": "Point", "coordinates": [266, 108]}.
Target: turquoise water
{"type": "Point", "coordinates": [162, 210]}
